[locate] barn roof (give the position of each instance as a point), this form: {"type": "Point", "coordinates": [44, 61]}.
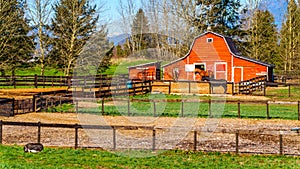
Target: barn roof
{"type": "Point", "coordinates": [231, 46]}
{"type": "Point", "coordinates": [145, 64]}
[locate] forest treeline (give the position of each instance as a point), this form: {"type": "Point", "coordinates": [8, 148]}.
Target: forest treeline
{"type": "Point", "coordinates": [66, 33]}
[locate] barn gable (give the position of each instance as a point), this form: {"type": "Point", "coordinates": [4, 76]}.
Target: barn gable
{"type": "Point", "coordinates": [219, 57]}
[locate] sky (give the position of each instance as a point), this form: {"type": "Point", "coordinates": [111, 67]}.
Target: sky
{"type": "Point", "coordinates": [111, 16]}
{"type": "Point", "coordinates": [276, 7]}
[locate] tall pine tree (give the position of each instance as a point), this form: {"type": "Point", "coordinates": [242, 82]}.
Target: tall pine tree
{"type": "Point", "coordinates": [73, 24]}
{"type": "Point", "coordinates": [263, 38]}
{"type": "Point", "coordinates": [289, 40]}
{"type": "Point", "coordinates": [139, 29]}
{"type": "Point", "coordinates": [221, 15]}
{"type": "Point", "coordinates": [16, 46]}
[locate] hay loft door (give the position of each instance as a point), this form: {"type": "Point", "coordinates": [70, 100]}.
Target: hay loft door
{"type": "Point", "coordinates": [221, 70]}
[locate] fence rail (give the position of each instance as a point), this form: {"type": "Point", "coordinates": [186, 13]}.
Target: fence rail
{"type": "Point", "coordinates": [280, 144]}
{"type": "Point", "coordinates": [60, 81]}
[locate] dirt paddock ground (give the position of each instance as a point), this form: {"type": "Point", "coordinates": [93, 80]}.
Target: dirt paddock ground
{"type": "Point", "coordinates": [19, 94]}
{"type": "Point", "coordinates": [259, 136]}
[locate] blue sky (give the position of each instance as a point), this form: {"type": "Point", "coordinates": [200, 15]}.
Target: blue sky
{"type": "Point", "coordinates": [111, 14]}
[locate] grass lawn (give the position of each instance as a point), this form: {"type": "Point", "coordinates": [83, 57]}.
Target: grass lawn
{"type": "Point", "coordinates": [49, 71]}
{"type": "Point", "coordinates": [283, 93]}
{"type": "Point", "coordinates": [190, 109]}
{"type": "Point", "coordinates": [14, 157]}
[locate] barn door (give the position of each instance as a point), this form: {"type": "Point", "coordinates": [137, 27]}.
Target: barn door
{"type": "Point", "coordinates": [221, 70]}
{"type": "Point", "coordinates": [238, 74]}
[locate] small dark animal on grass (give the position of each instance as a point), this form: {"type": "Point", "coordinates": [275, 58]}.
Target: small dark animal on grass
{"type": "Point", "coordinates": [33, 147]}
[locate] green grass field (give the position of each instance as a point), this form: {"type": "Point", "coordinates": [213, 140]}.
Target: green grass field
{"type": "Point", "coordinates": [193, 109]}
{"type": "Point", "coordinates": [13, 157]}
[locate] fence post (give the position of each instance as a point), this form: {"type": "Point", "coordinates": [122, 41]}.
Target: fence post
{"type": "Point", "coordinates": [34, 104]}
{"type": "Point", "coordinates": [102, 106]}
{"type": "Point", "coordinates": [195, 140]}
{"type": "Point", "coordinates": [13, 107]}
{"type": "Point", "coordinates": [14, 81]}
{"type": "Point", "coordinates": [1, 124]}
{"type": "Point", "coordinates": [239, 109]}
{"type": "Point", "coordinates": [190, 86]}
{"type": "Point", "coordinates": [114, 139]}
{"type": "Point", "coordinates": [268, 114]}
{"type": "Point", "coordinates": [153, 139]}
{"type": "Point", "coordinates": [298, 110]}
{"type": "Point", "coordinates": [232, 88]}
{"type": "Point", "coordinates": [128, 106]}
{"type": "Point", "coordinates": [182, 108]}
{"type": "Point", "coordinates": [169, 87]}
{"type": "Point", "coordinates": [265, 88]}
{"type": "Point", "coordinates": [237, 142]}
{"type": "Point", "coordinates": [280, 144]}
{"type": "Point", "coordinates": [39, 132]}
{"type": "Point", "coordinates": [35, 81]}
{"type": "Point", "coordinates": [289, 90]}
{"type": "Point", "coordinates": [154, 108]}
{"type": "Point", "coordinates": [133, 85]}
{"type": "Point", "coordinates": [76, 136]}
{"type": "Point", "coordinates": [76, 106]}
{"type": "Point", "coordinates": [209, 107]}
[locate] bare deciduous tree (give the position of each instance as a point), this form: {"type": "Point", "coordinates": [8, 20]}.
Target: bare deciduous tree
{"type": "Point", "coordinates": [40, 12]}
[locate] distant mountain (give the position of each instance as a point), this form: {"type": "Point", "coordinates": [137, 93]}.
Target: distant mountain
{"type": "Point", "coordinates": [119, 39]}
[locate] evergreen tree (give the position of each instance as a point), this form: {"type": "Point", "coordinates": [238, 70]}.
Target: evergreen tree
{"type": "Point", "coordinates": [96, 55]}
{"type": "Point", "coordinates": [289, 42]}
{"type": "Point", "coordinates": [16, 46]}
{"type": "Point", "coordinates": [221, 15]}
{"type": "Point", "coordinates": [263, 40]}
{"type": "Point", "coordinates": [139, 30]}
{"type": "Point", "coordinates": [73, 24]}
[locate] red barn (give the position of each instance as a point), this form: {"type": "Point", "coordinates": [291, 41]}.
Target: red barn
{"type": "Point", "coordinates": [218, 57]}
{"type": "Point", "coordinates": [148, 71]}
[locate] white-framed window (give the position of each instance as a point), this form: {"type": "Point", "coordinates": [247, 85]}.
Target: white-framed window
{"type": "Point", "coordinates": [221, 70]}
{"type": "Point", "coordinates": [209, 40]}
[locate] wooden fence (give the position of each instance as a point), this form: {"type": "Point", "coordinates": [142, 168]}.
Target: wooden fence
{"type": "Point", "coordinates": [193, 87]}
{"type": "Point", "coordinates": [43, 101]}
{"type": "Point", "coordinates": [6, 107]}
{"type": "Point", "coordinates": [196, 142]}
{"type": "Point", "coordinates": [60, 81]}
{"type": "Point", "coordinates": [184, 105]}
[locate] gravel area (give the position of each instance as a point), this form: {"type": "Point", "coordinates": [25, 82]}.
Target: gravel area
{"type": "Point", "coordinates": [255, 136]}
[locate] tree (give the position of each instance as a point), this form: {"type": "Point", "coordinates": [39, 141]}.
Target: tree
{"type": "Point", "coordinates": [40, 11]}
{"type": "Point", "coordinates": [73, 24]}
{"type": "Point", "coordinates": [96, 55]}
{"type": "Point", "coordinates": [263, 39]}
{"type": "Point", "coordinates": [16, 46]}
{"type": "Point", "coordinates": [221, 15]}
{"type": "Point", "coordinates": [290, 33]}
{"type": "Point", "coordinates": [139, 28]}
